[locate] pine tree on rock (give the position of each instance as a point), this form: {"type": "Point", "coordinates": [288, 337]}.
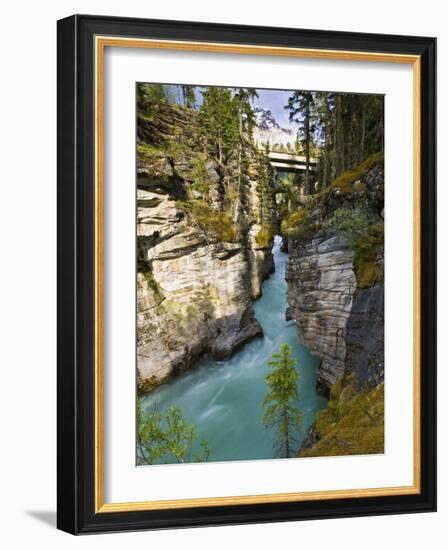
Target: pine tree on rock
{"type": "Point", "coordinates": [280, 404]}
{"type": "Point", "coordinates": [219, 123]}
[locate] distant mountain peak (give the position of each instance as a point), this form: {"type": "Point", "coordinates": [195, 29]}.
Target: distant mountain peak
{"type": "Point", "coordinates": [269, 130]}
{"type": "Point", "coordinates": [265, 120]}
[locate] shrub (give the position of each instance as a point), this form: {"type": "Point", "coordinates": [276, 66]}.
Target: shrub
{"type": "Point", "coordinates": [152, 283]}
{"type": "Point", "coordinates": [367, 241]}
{"type": "Point", "coordinates": [200, 176]}
{"type": "Point", "coordinates": [213, 222]}
{"type": "Point", "coordinates": [146, 151]}
{"type": "Point", "coordinates": [367, 264]}
{"type": "Point", "coordinates": [149, 99]}
{"type": "Point", "coordinates": [264, 237]}
{"type": "Point", "coordinates": [351, 221]}
{"type": "Point", "coordinates": [297, 224]}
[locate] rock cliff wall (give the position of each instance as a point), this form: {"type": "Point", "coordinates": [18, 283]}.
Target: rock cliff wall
{"type": "Point", "coordinates": [364, 339]}
{"type": "Point", "coordinates": [200, 258]}
{"type": "Point", "coordinates": [321, 284]}
{"type": "Point", "coordinates": [335, 276]}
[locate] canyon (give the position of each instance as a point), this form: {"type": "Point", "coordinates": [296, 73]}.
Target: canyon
{"type": "Point", "coordinates": [206, 225]}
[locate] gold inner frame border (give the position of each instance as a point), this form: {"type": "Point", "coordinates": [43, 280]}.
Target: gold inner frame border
{"type": "Point", "coordinates": [101, 43]}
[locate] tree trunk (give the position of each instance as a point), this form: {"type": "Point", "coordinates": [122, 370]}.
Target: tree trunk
{"type": "Point", "coordinates": [237, 201]}
{"type": "Point", "coordinates": [325, 174]}
{"type": "Point", "coordinates": [285, 420]}
{"type": "Point", "coordinates": [307, 151]}
{"type": "Point", "coordinates": [363, 132]}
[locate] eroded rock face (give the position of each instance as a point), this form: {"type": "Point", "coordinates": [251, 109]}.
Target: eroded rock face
{"type": "Point", "coordinates": [335, 281]}
{"type": "Point", "coordinates": [261, 261]}
{"type": "Point", "coordinates": [196, 299]}
{"type": "Point", "coordinates": [321, 284]}
{"type": "Point", "coordinates": [194, 289]}
{"type": "Point", "coordinates": [365, 336]}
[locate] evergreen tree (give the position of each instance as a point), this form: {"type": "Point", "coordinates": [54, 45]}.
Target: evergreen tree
{"type": "Point", "coordinates": [246, 119]}
{"type": "Point", "coordinates": [189, 98]}
{"type": "Point", "coordinates": [243, 98]}
{"type": "Point", "coordinates": [301, 105]}
{"type": "Point", "coordinates": [340, 129]}
{"type": "Point", "coordinates": [324, 130]}
{"type": "Point", "coordinates": [219, 122]}
{"type": "Point", "coordinates": [348, 128]}
{"type": "Point", "coordinates": [149, 97]}
{"type": "Point", "coordinates": [280, 404]}
{"type": "Point", "coordinates": [264, 189]}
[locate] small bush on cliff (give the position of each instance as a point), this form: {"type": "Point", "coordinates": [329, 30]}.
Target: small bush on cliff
{"type": "Point", "coordinates": [213, 222]}
{"type": "Point", "coordinates": [352, 423]}
{"type": "Point", "coordinates": [173, 149]}
{"type": "Point", "coordinates": [299, 224]}
{"type": "Point", "coordinates": [201, 181]}
{"type": "Point", "coordinates": [264, 237]}
{"type": "Point", "coordinates": [296, 224]}
{"type": "Point", "coordinates": [369, 250]}
{"type": "Point", "coordinates": [280, 403]}
{"type": "Point", "coordinates": [351, 221]}
{"type": "Point", "coordinates": [150, 280]}
{"type": "Point", "coordinates": [367, 240]}
{"type": "Point", "coordinates": [347, 219]}
{"type": "Point", "coordinates": [164, 437]}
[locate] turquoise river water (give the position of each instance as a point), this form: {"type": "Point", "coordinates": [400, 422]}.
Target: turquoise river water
{"type": "Point", "coordinates": [224, 398]}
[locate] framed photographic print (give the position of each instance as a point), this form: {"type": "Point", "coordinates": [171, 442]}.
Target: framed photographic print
{"type": "Point", "coordinates": [246, 271]}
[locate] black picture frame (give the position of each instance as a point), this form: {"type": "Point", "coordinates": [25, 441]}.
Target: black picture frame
{"type": "Point", "coordinates": [76, 255]}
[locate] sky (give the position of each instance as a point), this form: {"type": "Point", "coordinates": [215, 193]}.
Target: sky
{"type": "Point", "coordinates": [274, 101]}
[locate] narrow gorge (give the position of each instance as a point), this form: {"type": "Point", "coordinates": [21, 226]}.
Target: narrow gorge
{"type": "Point", "coordinates": [240, 250]}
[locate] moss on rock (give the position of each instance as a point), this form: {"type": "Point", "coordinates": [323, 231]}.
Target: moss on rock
{"type": "Point", "coordinates": [297, 224]}
{"type": "Point", "coordinates": [264, 237]}
{"type": "Point", "coordinates": [352, 424]}
{"type": "Point", "coordinates": [348, 182]}
{"type": "Point", "coordinates": [215, 223]}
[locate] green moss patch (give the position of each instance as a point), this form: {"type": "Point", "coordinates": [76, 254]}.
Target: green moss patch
{"type": "Point", "coordinates": [348, 182]}
{"type": "Point", "coordinates": [146, 152]}
{"type": "Point", "coordinates": [298, 224]}
{"type": "Point", "coordinates": [264, 237]}
{"type": "Point", "coordinates": [173, 148]}
{"type": "Point", "coordinates": [352, 423]}
{"type": "Point", "coordinates": [215, 223]}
